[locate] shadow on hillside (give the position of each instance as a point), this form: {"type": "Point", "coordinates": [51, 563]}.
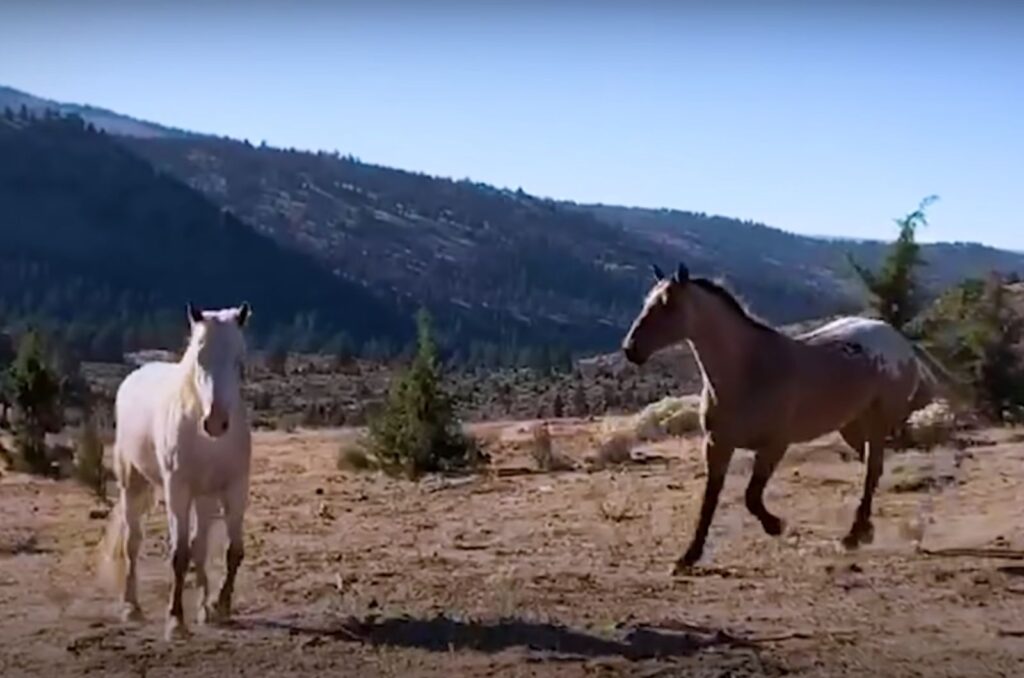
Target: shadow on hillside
{"type": "Point", "coordinates": [444, 634]}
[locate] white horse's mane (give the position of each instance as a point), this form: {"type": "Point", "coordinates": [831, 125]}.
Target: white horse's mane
{"type": "Point", "coordinates": [186, 395]}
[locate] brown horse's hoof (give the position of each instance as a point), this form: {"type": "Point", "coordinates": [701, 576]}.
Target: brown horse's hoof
{"type": "Point", "coordinates": [867, 535]}
{"type": "Point", "coordinates": [681, 569]}
{"type": "Point", "coordinates": [863, 533]}
{"type": "Point", "coordinates": [773, 526]}
{"type": "Point", "coordinates": [686, 564]}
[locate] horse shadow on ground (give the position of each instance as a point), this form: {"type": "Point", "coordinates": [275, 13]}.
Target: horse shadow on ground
{"type": "Point", "coordinates": [447, 634]}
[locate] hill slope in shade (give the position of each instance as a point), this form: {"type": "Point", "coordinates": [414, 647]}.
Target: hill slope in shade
{"type": "Point", "coordinates": [94, 238]}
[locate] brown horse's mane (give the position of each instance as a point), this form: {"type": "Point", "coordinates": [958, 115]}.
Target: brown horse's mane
{"type": "Point", "coordinates": [719, 290]}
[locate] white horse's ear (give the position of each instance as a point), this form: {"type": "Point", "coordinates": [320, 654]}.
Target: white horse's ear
{"type": "Point", "coordinates": [195, 314]}
{"type": "Point", "coordinates": [244, 311]}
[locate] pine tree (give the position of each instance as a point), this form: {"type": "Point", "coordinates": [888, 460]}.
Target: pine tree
{"type": "Point", "coordinates": [894, 289]}
{"type": "Point", "coordinates": [417, 432]}
{"type": "Point", "coordinates": [35, 395]}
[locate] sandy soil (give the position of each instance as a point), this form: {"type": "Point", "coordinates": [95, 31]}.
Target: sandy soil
{"type": "Point", "coordinates": [550, 573]}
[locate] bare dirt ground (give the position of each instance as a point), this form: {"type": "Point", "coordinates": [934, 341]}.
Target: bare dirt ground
{"type": "Point", "coordinates": [549, 574]}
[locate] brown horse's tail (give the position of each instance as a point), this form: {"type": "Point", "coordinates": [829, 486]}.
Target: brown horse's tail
{"type": "Point", "coordinates": [941, 380]}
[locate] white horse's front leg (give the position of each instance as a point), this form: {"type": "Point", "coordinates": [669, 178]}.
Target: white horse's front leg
{"type": "Point", "coordinates": [235, 501]}
{"type": "Point", "coordinates": [205, 510]}
{"type": "Point", "coordinates": [178, 496]}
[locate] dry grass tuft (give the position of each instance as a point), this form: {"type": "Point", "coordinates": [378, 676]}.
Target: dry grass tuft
{"type": "Point", "coordinates": [354, 457]}
{"type": "Point", "coordinates": [543, 453]}
{"type": "Point", "coordinates": [667, 418]}
{"type": "Point", "coordinates": [932, 426]}
{"type": "Point", "coordinates": [88, 460]}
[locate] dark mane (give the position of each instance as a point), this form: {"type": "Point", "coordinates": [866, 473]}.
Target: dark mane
{"type": "Point", "coordinates": [732, 302]}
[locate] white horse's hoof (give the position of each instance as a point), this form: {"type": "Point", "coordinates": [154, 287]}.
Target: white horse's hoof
{"type": "Point", "coordinates": [131, 614]}
{"type": "Point", "coordinates": [212, 615]}
{"type": "Point", "coordinates": [175, 630]}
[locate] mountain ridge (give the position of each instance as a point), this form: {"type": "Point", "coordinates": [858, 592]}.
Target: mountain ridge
{"type": "Point", "coordinates": [504, 271]}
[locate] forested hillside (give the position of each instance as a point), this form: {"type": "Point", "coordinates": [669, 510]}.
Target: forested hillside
{"type": "Point", "coordinates": [106, 250]}
{"type": "Point", "coordinates": [573, 273]}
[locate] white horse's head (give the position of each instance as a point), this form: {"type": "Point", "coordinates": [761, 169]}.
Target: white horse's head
{"type": "Point", "coordinates": [218, 347]}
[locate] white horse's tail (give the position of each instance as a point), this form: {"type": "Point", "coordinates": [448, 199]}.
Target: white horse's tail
{"type": "Point", "coordinates": [110, 567]}
{"type": "Point", "coordinates": [112, 552]}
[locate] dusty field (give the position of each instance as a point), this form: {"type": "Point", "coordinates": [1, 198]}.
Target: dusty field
{"type": "Point", "coordinates": [550, 574]}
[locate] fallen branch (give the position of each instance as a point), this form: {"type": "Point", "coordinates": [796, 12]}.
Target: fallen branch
{"type": "Point", "coordinates": [1005, 554]}
{"type": "Point", "coordinates": [1011, 633]}
{"type": "Point", "coordinates": [730, 637]}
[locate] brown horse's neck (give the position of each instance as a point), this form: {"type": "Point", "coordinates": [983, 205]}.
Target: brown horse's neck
{"type": "Point", "coordinates": [723, 343]}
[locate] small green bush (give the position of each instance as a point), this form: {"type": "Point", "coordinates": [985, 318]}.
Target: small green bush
{"type": "Point", "coordinates": [34, 390]}
{"type": "Point", "coordinates": [417, 431]}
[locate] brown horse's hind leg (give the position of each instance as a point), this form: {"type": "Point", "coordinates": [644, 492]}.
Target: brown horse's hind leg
{"type": "Point", "coordinates": [765, 463]}
{"type": "Point", "coordinates": [855, 438]}
{"type": "Point", "coordinates": [862, 531]}
{"type": "Point", "coordinates": [717, 458]}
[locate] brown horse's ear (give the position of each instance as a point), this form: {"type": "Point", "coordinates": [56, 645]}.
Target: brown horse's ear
{"type": "Point", "coordinates": [244, 312]}
{"type": "Point", "coordinates": [682, 273]}
{"type": "Point", "coordinates": [195, 314]}
{"type": "Point", "coordinates": [659, 275]}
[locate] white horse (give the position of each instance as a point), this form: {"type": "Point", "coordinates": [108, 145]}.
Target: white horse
{"type": "Point", "coordinates": [183, 427]}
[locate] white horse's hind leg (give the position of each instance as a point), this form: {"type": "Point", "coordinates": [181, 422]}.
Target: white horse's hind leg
{"type": "Point", "coordinates": [178, 496]}
{"type": "Point", "coordinates": [235, 502]}
{"type": "Point", "coordinates": [205, 512]}
{"type": "Point", "coordinates": [135, 497]}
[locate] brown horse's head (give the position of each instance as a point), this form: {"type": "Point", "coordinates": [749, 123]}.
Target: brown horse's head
{"type": "Point", "coordinates": [662, 321]}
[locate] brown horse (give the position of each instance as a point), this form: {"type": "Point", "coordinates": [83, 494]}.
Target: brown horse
{"type": "Point", "coordinates": [764, 390]}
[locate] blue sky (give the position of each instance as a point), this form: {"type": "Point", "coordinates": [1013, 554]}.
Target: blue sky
{"type": "Point", "coordinates": [825, 118]}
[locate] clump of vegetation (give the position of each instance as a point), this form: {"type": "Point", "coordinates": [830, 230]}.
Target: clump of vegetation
{"type": "Point", "coordinates": [544, 454]}
{"type": "Point", "coordinates": [669, 417]}
{"type": "Point", "coordinates": [895, 291]}
{"type": "Point", "coordinates": [931, 426]}
{"type": "Point", "coordinates": [417, 431]}
{"type": "Point", "coordinates": [355, 458]}
{"type": "Point", "coordinates": [89, 468]}
{"type": "Point", "coordinates": [975, 329]}
{"type": "Point", "coordinates": [614, 449]}
{"type": "Point", "coordinates": [33, 390]}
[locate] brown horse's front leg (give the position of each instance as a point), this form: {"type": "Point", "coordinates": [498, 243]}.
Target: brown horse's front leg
{"type": "Point", "coordinates": [717, 458]}
{"type": "Point", "coordinates": [862, 531]}
{"type": "Point", "coordinates": [765, 462]}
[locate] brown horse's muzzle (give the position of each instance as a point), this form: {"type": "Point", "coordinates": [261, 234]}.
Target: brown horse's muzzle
{"type": "Point", "coordinates": [629, 349]}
